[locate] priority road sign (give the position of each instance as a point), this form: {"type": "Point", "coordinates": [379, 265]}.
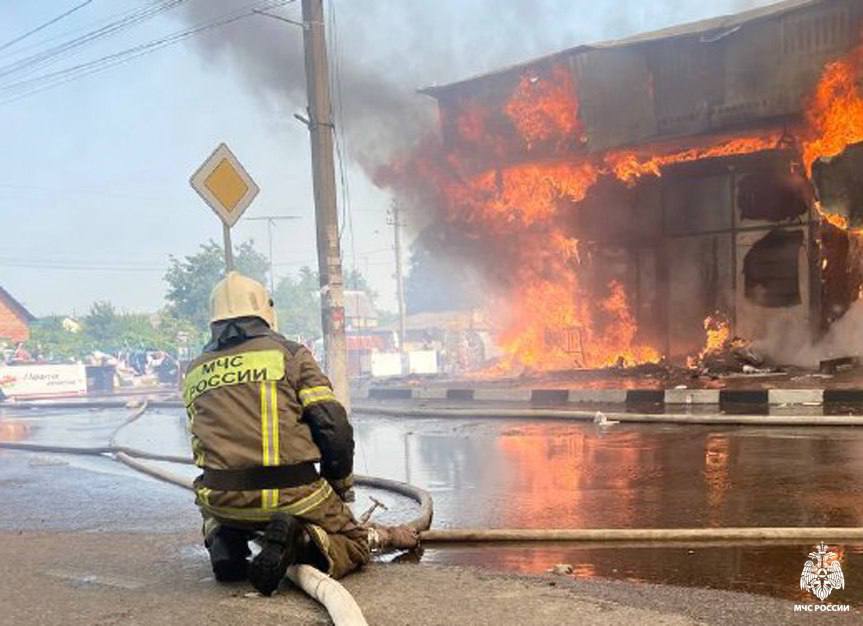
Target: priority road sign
{"type": "Point", "coordinates": [225, 185]}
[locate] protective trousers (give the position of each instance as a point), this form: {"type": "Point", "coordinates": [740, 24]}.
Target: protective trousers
{"type": "Point", "coordinates": [337, 544]}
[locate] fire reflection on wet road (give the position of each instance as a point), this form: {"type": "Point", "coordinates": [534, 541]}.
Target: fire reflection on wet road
{"type": "Point", "coordinates": [521, 474]}
{"type": "Point", "coordinates": [553, 475]}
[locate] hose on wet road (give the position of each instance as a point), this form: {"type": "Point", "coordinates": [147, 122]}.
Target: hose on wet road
{"type": "Point", "coordinates": [136, 458]}
{"type": "Point", "coordinates": [339, 603]}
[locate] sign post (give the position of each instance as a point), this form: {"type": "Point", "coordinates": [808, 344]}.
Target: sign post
{"type": "Point", "coordinates": [227, 188]}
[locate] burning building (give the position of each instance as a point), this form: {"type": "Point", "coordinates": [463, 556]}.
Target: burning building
{"type": "Point", "coordinates": [615, 195]}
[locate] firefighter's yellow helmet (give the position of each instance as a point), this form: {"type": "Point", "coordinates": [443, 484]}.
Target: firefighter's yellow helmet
{"type": "Point", "coordinates": [240, 296]}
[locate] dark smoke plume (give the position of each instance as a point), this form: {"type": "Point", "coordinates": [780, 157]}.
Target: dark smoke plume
{"type": "Point", "coordinates": [383, 50]}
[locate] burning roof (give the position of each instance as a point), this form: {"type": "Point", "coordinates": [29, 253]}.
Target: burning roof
{"type": "Point", "coordinates": [709, 76]}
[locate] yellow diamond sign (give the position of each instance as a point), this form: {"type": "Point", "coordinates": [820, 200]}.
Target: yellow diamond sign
{"type": "Point", "coordinates": [225, 185]}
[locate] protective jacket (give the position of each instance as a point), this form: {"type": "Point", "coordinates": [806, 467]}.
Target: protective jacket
{"type": "Point", "coordinates": [261, 413]}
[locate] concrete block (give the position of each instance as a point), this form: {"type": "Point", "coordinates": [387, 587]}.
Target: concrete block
{"type": "Point", "coordinates": [430, 393]}
{"type": "Point", "coordinates": [461, 394]}
{"type": "Point", "coordinates": [502, 395]}
{"type": "Point", "coordinates": [549, 396]}
{"type": "Point", "coordinates": [597, 396]}
{"type": "Point", "coordinates": [796, 396]}
{"type": "Point", "coordinates": [843, 396]}
{"type": "Point", "coordinates": [360, 393]}
{"type": "Point", "coordinates": [390, 393]}
{"type": "Point", "coordinates": [691, 396]}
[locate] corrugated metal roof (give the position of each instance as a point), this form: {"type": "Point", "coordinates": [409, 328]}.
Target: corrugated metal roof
{"type": "Point", "coordinates": [717, 26]}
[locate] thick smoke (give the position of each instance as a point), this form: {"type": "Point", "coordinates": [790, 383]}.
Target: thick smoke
{"type": "Point", "coordinates": [383, 51]}
{"type": "Point", "coordinates": [789, 342]}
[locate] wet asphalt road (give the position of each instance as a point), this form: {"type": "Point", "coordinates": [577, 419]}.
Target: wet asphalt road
{"type": "Point", "coordinates": [504, 474]}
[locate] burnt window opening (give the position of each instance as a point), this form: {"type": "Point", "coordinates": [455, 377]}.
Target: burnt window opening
{"type": "Point", "coordinates": [771, 271]}
{"type": "Point", "coordinates": [770, 196]}
{"type": "Point", "coordinates": [838, 184]}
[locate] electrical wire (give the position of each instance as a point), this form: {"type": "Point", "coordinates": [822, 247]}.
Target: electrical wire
{"type": "Point", "coordinates": [44, 25]}
{"type": "Point", "coordinates": [21, 89]}
{"type": "Point", "coordinates": [39, 83]}
{"type": "Point", "coordinates": [59, 52]}
{"type": "Point", "coordinates": [339, 135]}
{"type": "Point", "coordinates": [72, 32]}
{"type": "Point", "coordinates": [80, 268]}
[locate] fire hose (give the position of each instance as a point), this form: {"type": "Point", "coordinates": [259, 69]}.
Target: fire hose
{"type": "Point", "coordinates": [589, 416]}
{"type": "Point", "coordinates": [341, 606]}
{"type": "Point", "coordinates": [338, 601]}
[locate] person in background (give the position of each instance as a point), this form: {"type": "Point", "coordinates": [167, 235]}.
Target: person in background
{"type": "Point", "coordinates": [21, 355]}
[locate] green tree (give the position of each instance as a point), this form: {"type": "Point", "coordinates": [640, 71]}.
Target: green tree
{"type": "Point", "coordinates": [102, 324]}
{"type": "Point", "coordinates": [355, 281]}
{"type": "Point", "coordinates": [110, 331]}
{"type": "Point", "coordinates": [298, 304]}
{"type": "Point", "coordinates": [192, 278]}
{"type": "Point", "coordinates": [171, 328]}
{"type": "Point", "coordinates": [50, 340]}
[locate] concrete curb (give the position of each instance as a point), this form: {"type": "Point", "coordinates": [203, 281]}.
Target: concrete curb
{"type": "Point", "coordinates": [752, 398]}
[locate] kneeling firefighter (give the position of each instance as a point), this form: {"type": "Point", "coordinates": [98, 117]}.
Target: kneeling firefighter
{"type": "Point", "coordinates": [261, 415]}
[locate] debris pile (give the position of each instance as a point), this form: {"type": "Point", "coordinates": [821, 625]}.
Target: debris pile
{"type": "Point", "coordinates": [726, 354]}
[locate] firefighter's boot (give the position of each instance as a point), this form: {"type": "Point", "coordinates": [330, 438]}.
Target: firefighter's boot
{"type": "Point", "coordinates": [388, 538]}
{"type": "Point", "coordinates": [280, 546]}
{"type": "Point", "coordinates": [229, 554]}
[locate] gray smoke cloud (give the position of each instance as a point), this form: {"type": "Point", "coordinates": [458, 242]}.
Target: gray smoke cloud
{"type": "Point", "coordinates": [383, 50]}
{"type": "Point", "coordinates": [790, 342]}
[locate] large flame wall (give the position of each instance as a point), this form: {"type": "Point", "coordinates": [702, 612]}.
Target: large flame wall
{"type": "Point", "coordinates": [522, 154]}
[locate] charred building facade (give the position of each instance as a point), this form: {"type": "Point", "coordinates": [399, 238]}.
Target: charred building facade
{"type": "Point", "coordinates": [663, 178]}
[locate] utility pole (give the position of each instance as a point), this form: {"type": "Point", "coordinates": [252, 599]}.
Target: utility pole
{"type": "Point", "coordinates": [395, 220]}
{"type": "Point", "coordinates": [321, 128]}
{"type": "Point", "coordinates": [271, 223]}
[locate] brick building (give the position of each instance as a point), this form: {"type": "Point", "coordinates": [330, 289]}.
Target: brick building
{"type": "Point", "coordinates": [14, 318]}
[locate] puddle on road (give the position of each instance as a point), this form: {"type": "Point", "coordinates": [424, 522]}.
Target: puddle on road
{"type": "Point", "coordinates": [534, 474]}
{"type": "Point", "coordinates": [772, 570]}
{"type": "Point", "coordinates": [515, 474]}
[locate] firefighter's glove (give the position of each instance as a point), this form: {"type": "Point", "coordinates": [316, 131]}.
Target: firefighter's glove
{"type": "Point", "coordinates": [344, 488]}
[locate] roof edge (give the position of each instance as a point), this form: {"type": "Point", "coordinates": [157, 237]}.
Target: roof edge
{"type": "Point", "coordinates": [688, 29]}
{"type": "Point", "coordinates": [16, 306]}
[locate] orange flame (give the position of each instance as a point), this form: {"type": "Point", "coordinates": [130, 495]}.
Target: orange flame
{"type": "Point", "coordinates": [554, 327]}
{"type": "Point", "coordinates": [839, 221]}
{"type": "Point", "coordinates": [556, 319]}
{"type": "Point", "coordinates": [522, 194]}
{"type": "Point", "coordinates": [718, 334]}
{"type": "Point", "coordinates": [629, 166]}
{"type": "Point", "coordinates": [835, 113]}
{"type": "Point", "coordinates": [545, 108]}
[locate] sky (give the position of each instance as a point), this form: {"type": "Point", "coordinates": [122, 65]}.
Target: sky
{"type": "Point", "coordinates": [94, 191]}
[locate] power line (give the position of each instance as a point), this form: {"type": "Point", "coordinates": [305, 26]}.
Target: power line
{"type": "Point", "coordinates": [81, 268]}
{"type": "Point", "coordinates": [44, 25]}
{"type": "Point", "coordinates": [338, 134]}
{"type": "Point", "coordinates": [47, 81]}
{"type": "Point", "coordinates": [76, 31]}
{"type": "Point", "coordinates": [125, 21]}
{"type": "Point", "coordinates": [13, 189]}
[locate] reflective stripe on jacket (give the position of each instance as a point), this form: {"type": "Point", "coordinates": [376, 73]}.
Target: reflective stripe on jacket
{"type": "Point", "coordinates": [255, 399]}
